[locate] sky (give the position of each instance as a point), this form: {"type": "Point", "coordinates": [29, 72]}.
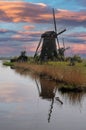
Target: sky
{"type": "Point", "coordinates": [22, 22]}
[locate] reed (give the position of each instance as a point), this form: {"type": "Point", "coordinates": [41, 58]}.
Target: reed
{"type": "Point", "coordinates": [6, 63]}
{"type": "Point", "coordinates": [63, 73]}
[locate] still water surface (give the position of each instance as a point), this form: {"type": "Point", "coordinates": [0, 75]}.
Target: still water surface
{"type": "Point", "coordinates": [30, 103]}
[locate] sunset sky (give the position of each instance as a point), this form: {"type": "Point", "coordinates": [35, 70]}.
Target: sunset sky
{"type": "Point", "coordinates": [23, 21]}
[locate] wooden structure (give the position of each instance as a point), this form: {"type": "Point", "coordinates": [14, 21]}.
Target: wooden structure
{"type": "Point", "coordinates": [21, 58]}
{"type": "Point", "coordinates": [49, 40]}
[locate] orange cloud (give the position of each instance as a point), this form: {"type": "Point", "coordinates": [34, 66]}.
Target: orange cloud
{"type": "Point", "coordinates": [79, 48]}
{"type": "Point", "coordinates": [3, 30]}
{"type": "Point", "coordinates": [71, 15]}
{"type": "Point", "coordinates": [38, 13]}
{"type": "Point", "coordinates": [18, 11]}
{"type": "Point", "coordinates": [31, 47]}
{"type": "Point", "coordinates": [29, 27]}
{"type": "Point", "coordinates": [26, 36]}
{"type": "Point", "coordinates": [42, 4]}
{"type": "Point", "coordinates": [6, 50]}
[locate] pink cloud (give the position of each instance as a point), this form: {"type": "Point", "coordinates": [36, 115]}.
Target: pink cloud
{"type": "Point", "coordinates": [3, 30]}
{"type": "Point", "coordinates": [19, 11]}
{"type": "Point", "coordinates": [6, 50]}
{"type": "Point", "coordinates": [79, 48]}
{"type": "Point", "coordinates": [26, 36]}
{"type": "Point", "coordinates": [29, 27]}
{"type": "Point", "coordinates": [38, 13]}
{"type": "Point", "coordinates": [77, 34]}
{"type": "Point", "coordinates": [31, 47]}
{"type": "Point", "coordinates": [71, 15]}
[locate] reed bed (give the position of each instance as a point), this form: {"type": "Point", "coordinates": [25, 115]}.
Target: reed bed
{"type": "Point", "coordinates": [62, 73]}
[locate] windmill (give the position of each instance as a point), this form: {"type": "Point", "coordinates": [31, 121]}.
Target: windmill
{"type": "Point", "coordinates": [61, 51]}
{"type": "Point", "coordinates": [48, 40]}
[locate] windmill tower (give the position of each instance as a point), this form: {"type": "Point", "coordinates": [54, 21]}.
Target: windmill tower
{"type": "Point", "coordinates": [49, 39]}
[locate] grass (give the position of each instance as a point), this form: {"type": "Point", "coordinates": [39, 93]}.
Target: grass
{"type": "Point", "coordinates": [6, 63]}
{"type": "Point", "coordinates": [58, 71]}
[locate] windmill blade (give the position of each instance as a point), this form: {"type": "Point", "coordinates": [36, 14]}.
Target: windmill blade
{"type": "Point", "coordinates": [67, 48]}
{"type": "Point", "coordinates": [54, 19]}
{"type": "Point", "coordinates": [57, 37]}
{"type": "Point", "coordinates": [38, 47]}
{"type": "Point", "coordinates": [61, 32]}
{"type": "Point", "coordinates": [58, 43]}
{"type": "Point", "coordinates": [63, 43]}
{"type": "Point", "coordinates": [38, 88]}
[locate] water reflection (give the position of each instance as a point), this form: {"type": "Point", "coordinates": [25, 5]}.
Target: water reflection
{"type": "Point", "coordinates": [30, 102]}
{"type": "Point", "coordinates": [48, 90]}
{"type": "Point", "coordinates": [74, 98]}
{"type": "Point", "coordinates": [24, 73]}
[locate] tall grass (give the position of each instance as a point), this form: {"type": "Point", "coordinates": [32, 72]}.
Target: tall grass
{"type": "Point", "coordinates": [6, 63]}
{"type": "Point", "coordinates": [71, 75]}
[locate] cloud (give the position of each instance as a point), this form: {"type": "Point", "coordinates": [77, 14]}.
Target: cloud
{"type": "Point", "coordinates": [36, 17]}
{"type": "Point", "coordinates": [71, 18]}
{"type": "Point", "coordinates": [76, 38]}
{"type": "Point", "coordinates": [21, 36]}
{"type": "Point", "coordinates": [39, 13]}
{"type": "Point", "coordinates": [26, 36]}
{"type": "Point", "coordinates": [41, 4]}
{"type": "Point", "coordinates": [29, 27]}
{"type": "Point", "coordinates": [78, 34]}
{"type": "Point", "coordinates": [77, 43]}
{"type": "Point", "coordinates": [3, 30]}
{"type": "Point", "coordinates": [20, 11]}
{"type": "Point", "coordinates": [81, 2]}
{"type": "Point", "coordinates": [12, 45]}
{"type": "Point", "coordinates": [80, 49]}
{"type": "Point", "coordinates": [6, 50]}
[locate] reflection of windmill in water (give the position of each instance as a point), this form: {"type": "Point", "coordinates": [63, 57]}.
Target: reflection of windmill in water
{"type": "Point", "coordinates": [47, 90]}
{"type": "Point", "coordinates": [49, 49]}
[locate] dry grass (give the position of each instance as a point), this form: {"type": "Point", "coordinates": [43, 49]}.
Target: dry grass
{"type": "Point", "coordinates": [69, 75]}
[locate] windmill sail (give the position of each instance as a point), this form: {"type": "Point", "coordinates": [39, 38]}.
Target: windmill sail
{"type": "Point", "coordinates": [54, 19]}
{"type": "Point", "coordinates": [38, 47]}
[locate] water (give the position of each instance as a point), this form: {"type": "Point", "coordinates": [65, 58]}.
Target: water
{"type": "Point", "coordinates": [30, 103]}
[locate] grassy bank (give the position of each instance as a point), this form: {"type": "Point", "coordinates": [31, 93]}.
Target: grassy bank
{"type": "Point", "coordinates": [58, 71]}
{"type": "Point", "coordinates": [6, 63]}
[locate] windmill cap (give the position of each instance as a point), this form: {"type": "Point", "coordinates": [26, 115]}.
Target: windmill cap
{"type": "Point", "coordinates": [49, 34]}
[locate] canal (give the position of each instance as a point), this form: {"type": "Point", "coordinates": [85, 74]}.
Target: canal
{"type": "Point", "coordinates": [28, 102]}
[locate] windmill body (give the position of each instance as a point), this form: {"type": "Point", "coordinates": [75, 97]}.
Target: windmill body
{"type": "Point", "coordinates": [49, 49]}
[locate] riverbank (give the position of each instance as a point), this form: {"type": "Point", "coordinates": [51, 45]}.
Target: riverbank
{"type": "Point", "coordinates": [71, 76]}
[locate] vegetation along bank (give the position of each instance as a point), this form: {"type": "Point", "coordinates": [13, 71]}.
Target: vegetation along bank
{"type": "Point", "coordinates": [72, 77]}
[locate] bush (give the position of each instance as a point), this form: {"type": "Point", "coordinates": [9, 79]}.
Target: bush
{"type": "Point", "coordinates": [77, 58]}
